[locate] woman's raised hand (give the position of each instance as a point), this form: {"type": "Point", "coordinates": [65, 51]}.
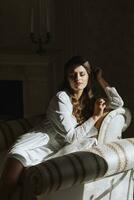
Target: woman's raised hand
{"type": "Point", "coordinates": [98, 73]}
{"type": "Point", "coordinates": [99, 108]}
{"type": "Point", "coordinates": [99, 77]}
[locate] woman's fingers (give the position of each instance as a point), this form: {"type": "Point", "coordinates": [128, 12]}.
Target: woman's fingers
{"type": "Point", "coordinates": [100, 104]}
{"type": "Point", "coordinates": [101, 101]}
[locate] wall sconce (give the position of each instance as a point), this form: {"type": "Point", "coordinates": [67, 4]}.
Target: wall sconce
{"type": "Point", "coordinates": [44, 36]}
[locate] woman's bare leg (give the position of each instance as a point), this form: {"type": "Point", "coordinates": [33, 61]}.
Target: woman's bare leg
{"type": "Point", "coordinates": [10, 176]}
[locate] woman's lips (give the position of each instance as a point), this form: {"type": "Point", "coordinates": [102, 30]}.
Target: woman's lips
{"type": "Point", "coordinates": [78, 83]}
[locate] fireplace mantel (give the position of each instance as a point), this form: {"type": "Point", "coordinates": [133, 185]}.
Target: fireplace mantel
{"type": "Point", "coordinates": [38, 76]}
{"type": "Point", "coordinates": [19, 59]}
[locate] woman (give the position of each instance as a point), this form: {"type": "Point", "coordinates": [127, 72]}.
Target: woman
{"type": "Point", "coordinates": [71, 118]}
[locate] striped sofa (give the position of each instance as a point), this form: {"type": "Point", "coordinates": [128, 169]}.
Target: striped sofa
{"type": "Point", "coordinates": [101, 172]}
{"type": "Point", "coordinates": [10, 130]}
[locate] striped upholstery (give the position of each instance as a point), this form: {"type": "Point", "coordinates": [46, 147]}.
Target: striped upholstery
{"type": "Point", "coordinates": [75, 168]}
{"type": "Point", "coordinates": [63, 172]}
{"type": "Point", "coordinates": [119, 155]}
{"type": "Point", "coordinates": [71, 169]}
{"type": "Point", "coordinates": [10, 130]}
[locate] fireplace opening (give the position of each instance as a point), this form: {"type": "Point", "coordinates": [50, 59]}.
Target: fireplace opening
{"type": "Point", "coordinates": [11, 99]}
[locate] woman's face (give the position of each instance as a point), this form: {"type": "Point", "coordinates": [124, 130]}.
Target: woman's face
{"type": "Point", "coordinates": [78, 78]}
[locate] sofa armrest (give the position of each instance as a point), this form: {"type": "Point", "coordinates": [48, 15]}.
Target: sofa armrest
{"type": "Point", "coordinates": [10, 130]}
{"type": "Point", "coordinates": [116, 122]}
{"type": "Point", "coordinates": [79, 167]}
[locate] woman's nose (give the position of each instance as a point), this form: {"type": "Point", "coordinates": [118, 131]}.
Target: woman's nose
{"type": "Point", "coordinates": [77, 77]}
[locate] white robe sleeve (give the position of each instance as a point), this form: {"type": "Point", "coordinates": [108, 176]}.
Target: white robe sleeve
{"type": "Point", "coordinates": [65, 123]}
{"type": "Point", "coordinates": [115, 101]}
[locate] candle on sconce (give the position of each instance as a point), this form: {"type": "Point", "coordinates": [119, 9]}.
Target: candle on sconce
{"type": "Point", "coordinates": [47, 16]}
{"type": "Point", "coordinates": [40, 17]}
{"type": "Point", "coordinates": [32, 20]}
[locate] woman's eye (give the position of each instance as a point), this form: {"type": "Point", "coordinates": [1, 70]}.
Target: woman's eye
{"type": "Point", "coordinates": [82, 74]}
{"type": "Point", "coordinates": [74, 75]}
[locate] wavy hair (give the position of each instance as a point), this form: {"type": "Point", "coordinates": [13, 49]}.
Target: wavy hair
{"type": "Point", "coordinates": [82, 108]}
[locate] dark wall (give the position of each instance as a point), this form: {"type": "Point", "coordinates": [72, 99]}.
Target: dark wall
{"type": "Point", "coordinates": [102, 30]}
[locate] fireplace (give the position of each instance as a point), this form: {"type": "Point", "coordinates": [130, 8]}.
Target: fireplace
{"type": "Point", "coordinates": [36, 81]}
{"type": "Point", "coordinates": [11, 99]}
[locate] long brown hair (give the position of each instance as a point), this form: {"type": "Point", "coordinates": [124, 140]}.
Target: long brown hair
{"type": "Point", "coordinates": [82, 108]}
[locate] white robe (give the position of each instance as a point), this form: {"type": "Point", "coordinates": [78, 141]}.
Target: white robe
{"type": "Point", "coordinates": [58, 130]}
